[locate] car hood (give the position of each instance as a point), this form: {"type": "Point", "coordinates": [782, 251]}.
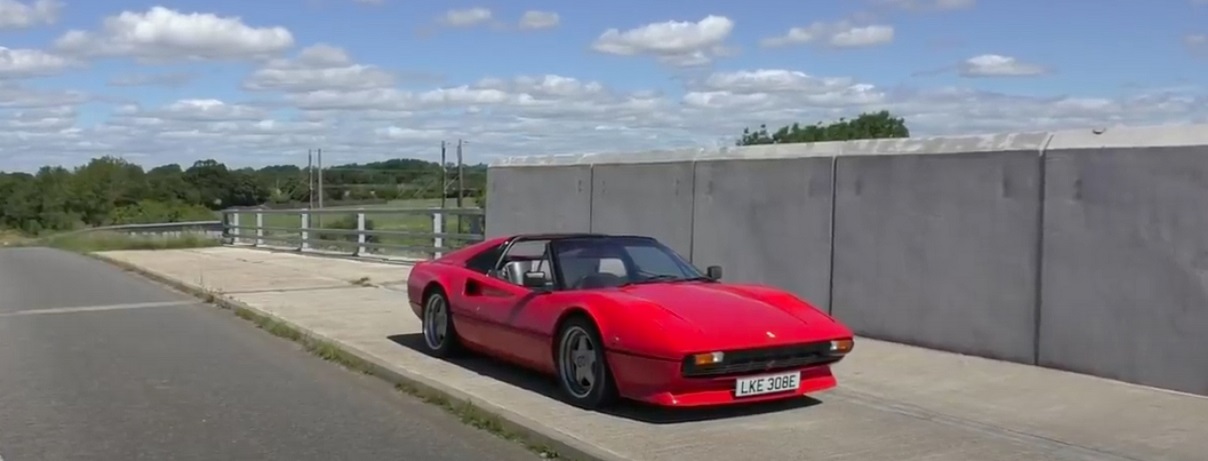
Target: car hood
{"type": "Point", "coordinates": [734, 316]}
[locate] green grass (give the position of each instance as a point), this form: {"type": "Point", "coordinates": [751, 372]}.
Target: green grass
{"type": "Point", "coordinates": [12, 238]}
{"type": "Point", "coordinates": [416, 203]}
{"type": "Point", "coordinates": [110, 241]}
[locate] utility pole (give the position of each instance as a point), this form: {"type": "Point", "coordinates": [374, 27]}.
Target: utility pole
{"type": "Point", "coordinates": [443, 175]}
{"type": "Point", "coordinates": [461, 185]}
{"type": "Point", "coordinates": [310, 177]}
{"type": "Point", "coordinates": [319, 217]}
{"type": "Point", "coordinates": [320, 155]}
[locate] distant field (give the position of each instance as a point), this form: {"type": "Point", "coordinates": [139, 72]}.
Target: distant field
{"type": "Point", "coordinates": [415, 203]}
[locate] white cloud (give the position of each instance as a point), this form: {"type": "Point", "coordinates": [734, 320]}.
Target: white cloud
{"type": "Point", "coordinates": [15, 14]}
{"type": "Point", "coordinates": [679, 43]}
{"type": "Point", "coordinates": [22, 63]}
{"type": "Point", "coordinates": [317, 68]}
{"type": "Point", "coordinates": [162, 34]}
{"type": "Point", "coordinates": [994, 65]}
{"type": "Point", "coordinates": [192, 110]}
{"type": "Point", "coordinates": [539, 20]}
{"type": "Point", "coordinates": [15, 96]}
{"type": "Point", "coordinates": [929, 5]}
{"type": "Point", "coordinates": [839, 34]}
{"type": "Point", "coordinates": [322, 96]}
{"type": "Point", "coordinates": [171, 79]}
{"type": "Point", "coordinates": [468, 17]}
{"type": "Point", "coordinates": [542, 113]}
{"type": "Point", "coordinates": [1196, 43]}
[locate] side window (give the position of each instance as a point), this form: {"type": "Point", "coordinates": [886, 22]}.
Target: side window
{"type": "Point", "coordinates": [485, 261]}
{"type": "Point", "coordinates": [532, 254]}
{"type": "Point", "coordinates": [531, 249]}
{"type": "Point", "coordinates": [653, 261]}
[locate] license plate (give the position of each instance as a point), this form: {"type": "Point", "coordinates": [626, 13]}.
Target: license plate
{"type": "Point", "coordinates": [767, 384]}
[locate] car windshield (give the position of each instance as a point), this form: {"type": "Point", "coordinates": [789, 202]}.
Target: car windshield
{"type": "Point", "coordinates": [599, 262]}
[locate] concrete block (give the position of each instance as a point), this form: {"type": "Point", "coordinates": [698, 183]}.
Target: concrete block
{"type": "Point", "coordinates": [1125, 273]}
{"type": "Point", "coordinates": [766, 221]}
{"type": "Point", "coordinates": [546, 199]}
{"type": "Point", "coordinates": [645, 199]}
{"type": "Point", "coordinates": [940, 250]}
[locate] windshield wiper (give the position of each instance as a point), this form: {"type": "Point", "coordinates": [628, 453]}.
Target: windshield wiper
{"type": "Point", "coordinates": [699, 278]}
{"type": "Point", "coordinates": [668, 278]}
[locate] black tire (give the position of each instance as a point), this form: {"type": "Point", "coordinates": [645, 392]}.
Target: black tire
{"type": "Point", "coordinates": [602, 391]}
{"type": "Point", "coordinates": [445, 343]}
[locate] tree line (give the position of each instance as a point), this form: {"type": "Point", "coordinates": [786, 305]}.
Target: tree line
{"type": "Point", "coordinates": [109, 190]}
{"type": "Point", "coordinates": [869, 125]}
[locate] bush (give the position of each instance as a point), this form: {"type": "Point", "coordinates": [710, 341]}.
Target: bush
{"type": "Point", "coordinates": [153, 211]}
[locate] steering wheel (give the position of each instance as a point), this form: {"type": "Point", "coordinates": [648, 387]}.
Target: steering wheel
{"type": "Point", "coordinates": [598, 280]}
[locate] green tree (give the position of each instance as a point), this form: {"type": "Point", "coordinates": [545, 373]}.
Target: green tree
{"type": "Point", "coordinates": [874, 125]}
{"type": "Point", "coordinates": [110, 190]}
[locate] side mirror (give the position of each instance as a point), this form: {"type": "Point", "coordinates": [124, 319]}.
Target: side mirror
{"type": "Point", "coordinates": [535, 279]}
{"type": "Point", "coordinates": [713, 272]}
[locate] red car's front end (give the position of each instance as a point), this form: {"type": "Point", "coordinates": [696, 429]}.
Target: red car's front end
{"type": "Point", "coordinates": [717, 344]}
{"type": "Point", "coordinates": [740, 376]}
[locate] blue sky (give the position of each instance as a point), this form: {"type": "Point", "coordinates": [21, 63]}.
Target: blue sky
{"type": "Point", "coordinates": [394, 78]}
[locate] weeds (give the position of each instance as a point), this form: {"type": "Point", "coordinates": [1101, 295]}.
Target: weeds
{"type": "Point", "coordinates": [110, 241]}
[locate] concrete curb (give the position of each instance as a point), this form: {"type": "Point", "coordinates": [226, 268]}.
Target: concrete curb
{"type": "Point", "coordinates": [532, 432]}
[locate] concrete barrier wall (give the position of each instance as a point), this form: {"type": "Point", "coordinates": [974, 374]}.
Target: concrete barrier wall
{"type": "Point", "coordinates": [1075, 250]}
{"type": "Point", "coordinates": [647, 199]}
{"type": "Point", "coordinates": [554, 199]}
{"type": "Point", "coordinates": [1125, 273]}
{"type": "Point", "coordinates": [767, 221]}
{"type": "Point", "coordinates": [940, 250]}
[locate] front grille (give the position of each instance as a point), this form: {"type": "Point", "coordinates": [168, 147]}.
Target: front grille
{"type": "Point", "coordinates": [768, 359]}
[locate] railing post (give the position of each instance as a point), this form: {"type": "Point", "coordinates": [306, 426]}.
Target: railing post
{"type": "Point", "coordinates": [305, 245]}
{"type": "Point", "coordinates": [360, 233]}
{"type": "Point", "coordinates": [259, 228]}
{"type": "Point", "coordinates": [225, 232]}
{"type": "Point", "coordinates": [438, 226]}
{"type": "Point", "coordinates": [235, 228]}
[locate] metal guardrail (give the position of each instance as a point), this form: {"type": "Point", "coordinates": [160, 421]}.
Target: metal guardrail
{"type": "Point", "coordinates": [360, 231]}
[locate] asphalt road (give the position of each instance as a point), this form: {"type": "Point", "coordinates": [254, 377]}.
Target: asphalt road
{"type": "Point", "coordinates": [99, 364]}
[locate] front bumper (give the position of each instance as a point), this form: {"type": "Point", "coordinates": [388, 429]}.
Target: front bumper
{"type": "Point", "coordinates": [663, 382]}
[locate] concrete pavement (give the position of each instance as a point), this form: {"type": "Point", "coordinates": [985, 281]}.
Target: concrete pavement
{"type": "Point", "coordinates": [99, 364]}
{"type": "Point", "coordinates": [894, 402]}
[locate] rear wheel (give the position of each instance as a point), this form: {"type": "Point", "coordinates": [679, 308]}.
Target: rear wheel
{"type": "Point", "coordinates": [583, 372]}
{"type": "Point", "coordinates": [440, 337]}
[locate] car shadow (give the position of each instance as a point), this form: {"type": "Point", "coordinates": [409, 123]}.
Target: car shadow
{"type": "Point", "coordinates": [546, 386]}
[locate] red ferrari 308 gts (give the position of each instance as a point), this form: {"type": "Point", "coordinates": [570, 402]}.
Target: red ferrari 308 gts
{"type": "Point", "coordinates": [624, 316]}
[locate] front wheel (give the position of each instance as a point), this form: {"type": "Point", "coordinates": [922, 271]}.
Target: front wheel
{"type": "Point", "coordinates": [583, 372]}
{"type": "Point", "coordinates": [440, 337]}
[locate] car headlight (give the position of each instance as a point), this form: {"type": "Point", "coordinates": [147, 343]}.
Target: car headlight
{"type": "Point", "coordinates": [841, 346]}
{"type": "Point", "coordinates": [711, 358]}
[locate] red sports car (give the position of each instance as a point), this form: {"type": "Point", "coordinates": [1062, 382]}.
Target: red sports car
{"type": "Point", "coordinates": [624, 316]}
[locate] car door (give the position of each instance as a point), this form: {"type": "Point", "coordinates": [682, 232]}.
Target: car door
{"type": "Point", "coordinates": [496, 306]}
{"type": "Point", "coordinates": [486, 303]}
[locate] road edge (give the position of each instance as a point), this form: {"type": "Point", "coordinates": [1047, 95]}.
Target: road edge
{"type": "Point", "coordinates": [484, 415]}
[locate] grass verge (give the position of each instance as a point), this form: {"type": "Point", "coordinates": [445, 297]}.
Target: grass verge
{"type": "Point", "coordinates": [113, 241]}
{"type": "Point", "coordinates": [11, 238]}
{"type": "Point", "coordinates": [463, 409]}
